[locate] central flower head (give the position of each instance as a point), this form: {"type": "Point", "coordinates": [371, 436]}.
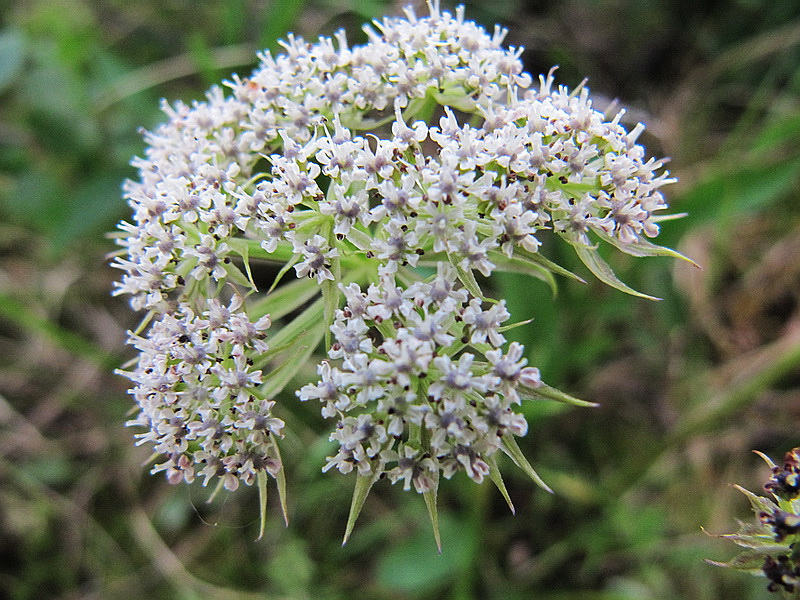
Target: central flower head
{"type": "Point", "coordinates": [389, 178]}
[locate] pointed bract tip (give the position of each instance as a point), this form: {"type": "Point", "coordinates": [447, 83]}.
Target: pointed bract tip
{"type": "Point", "coordinates": [765, 458]}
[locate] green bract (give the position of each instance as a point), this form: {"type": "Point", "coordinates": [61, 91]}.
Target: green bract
{"type": "Point", "coordinates": [772, 548]}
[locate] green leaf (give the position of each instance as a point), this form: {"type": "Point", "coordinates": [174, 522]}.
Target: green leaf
{"type": "Point", "coordinates": [234, 274]}
{"type": "Point", "coordinates": [764, 544]}
{"type": "Point", "coordinates": [518, 265]}
{"type": "Point", "coordinates": [433, 509]}
{"type": "Point", "coordinates": [283, 253]}
{"type": "Point", "coordinates": [330, 296]}
{"type": "Point", "coordinates": [364, 484]}
{"type": "Point", "coordinates": [284, 299]}
{"type": "Point", "coordinates": [261, 479]}
{"type": "Point", "coordinates": [359, 239]}
{"type": "Point", "coordinates": [497, 479]}
{"type": "Point", "coordinates": [292, 331]}
{"type": "Point", "coordinates": [643, 247]}
{"type": "Point", "coordinates": [749, 561]}
{"type": "Point", "coordinates": [245, 254]}
{"type": "Point", "coordinates": [534, 258]}
{"type": "Point", "coordinates": [280, 478]}
{"type": "Point", "coordinates": [600, 268]}
{"type": "Point", "coordinates": [280, 377]}
{"type": "Point", "coordinates": [510, 447]}
{"type": "Point", "coordinates": [550, 393]}
{"type": "Point", "coordinates": [574, 190]}
{"type": "Point", "coordinates": [513, 326]}
{"type": "Point", "coordinates": [758, 503]}
{"type": "Point", "coordinates": [285, 269]}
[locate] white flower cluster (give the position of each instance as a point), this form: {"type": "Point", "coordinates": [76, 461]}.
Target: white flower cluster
{"type": "Point", "coordinates": [365, 168]}
{"type": "Point", "coordinates": [315, 145]}
{"type": "Point", "coordinates": [411, 399]}
{"type": "Point", "coordinates": [199, 396]}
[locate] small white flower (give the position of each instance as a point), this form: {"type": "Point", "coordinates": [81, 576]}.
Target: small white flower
{"type": "Point", "coordinates": [456, 378]}
{"type": "Point", "coordinates": [411, 468]}
{"type": "Point", "coordinates": [485, 324]}
{"type": "Point", "coordinates": [397, 246]}
{"type": "Point", "coordinates": [318, 256]}
{"type": "Point", "coordinates": [350, 337]}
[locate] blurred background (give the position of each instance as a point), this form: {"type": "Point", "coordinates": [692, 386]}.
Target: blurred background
{"type": "Point", "coordinates": [687, 386]}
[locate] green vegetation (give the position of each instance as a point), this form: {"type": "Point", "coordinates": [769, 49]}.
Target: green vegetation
{"type": "Point", "coordinates": [686, 386]}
